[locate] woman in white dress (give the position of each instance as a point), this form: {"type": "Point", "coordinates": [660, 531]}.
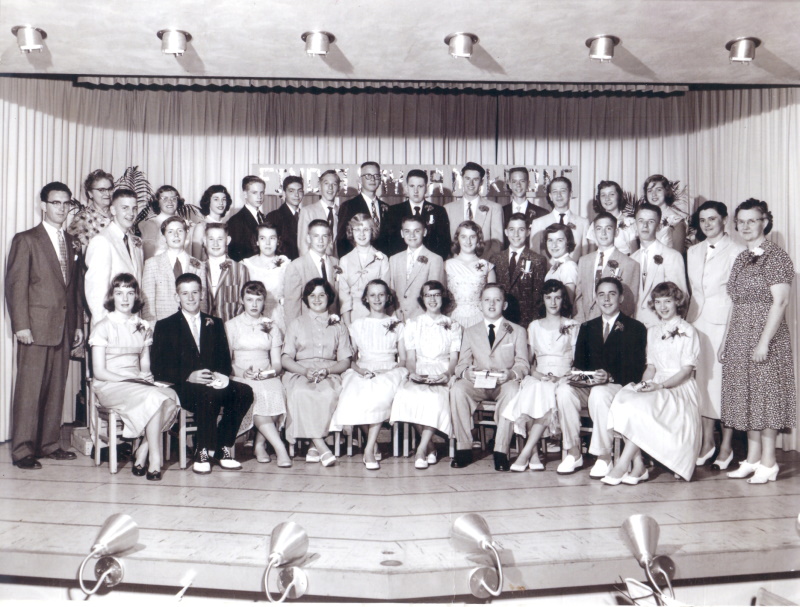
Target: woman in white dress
{"type": "Point", "coordinates": [269, 269]}
{"type": "Point", "coordinates": [361, 265]}
{"type": "Point", "coordinates": [122, 378]}
{"type": "Point", "coordinates": [432, 343]}
{"type": "Point", "coordinates": [467, 273]}
{"type": "Point", "coordinates": [660, 414]}
{"type": "Point", "coordinates": [376, 371]}
{"type": "Point", "coordinates": [611, 198]}
{"type": "Point", "coordinates": [659, 191]}
{"type": "Point", "coordinates": [255, 341]}
{"type": "Point", "coordinates": [558, 243]}
{"type": "Point", "coordinates": [551, 343]}
{"type": "Point", "coordinates": [214, 205]}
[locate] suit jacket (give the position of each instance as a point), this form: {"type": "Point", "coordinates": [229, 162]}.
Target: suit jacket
{"type": "Point", "coordinates": [623, 355]}
{"type": "Point", "coordinates": [158, 286]}
{"type": "Point", "coordinates": [580, 232]}
{"type": "Point", "coordinates": [407, 289]}
{"type": "Point", "coordinates": [106, 256]}
{"type": "Point", "coordinates": [670, 269]}
{"type": "Point", "coordinates": [708, 279]}
{"type": "Point", "coordinates": [352, 207]}
{"type": "Point", "coordinates": [510, 349]}
{"type": "Point", "coordinates": [437, 237]}
{"type": "Point", "coordinates": [524, 286]}
{"type": "Point", "coordinates": [226, 303]}
{"type": "Point", "coordinates": [38, 298]}
{"type": "Point", "coordinates": [490, 221]}
{"type": "Point", "coordinates": [309, 213]}
{"type": "Point", "coordinates": [627, 271]}
{"type": "Point", "coordinates": [242, 228]}
{"type": "Point", "coordinates": [299, 272]}
{"type": "Point", "coordinates": [286, 223]}
{"type": "Point", "coordinates": [532, 211]}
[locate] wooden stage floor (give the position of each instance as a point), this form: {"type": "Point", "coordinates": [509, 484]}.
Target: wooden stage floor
{"type": "Point", "coordinates": [384, 535]}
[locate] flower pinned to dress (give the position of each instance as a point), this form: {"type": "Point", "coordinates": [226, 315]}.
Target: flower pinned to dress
{"type": "Point", "coordinates": [755, 254]}
{"type": "Point", "coordinates": [226, 265]}
{"type": "Point", "coordinates": [278, 262]}
{"type": "Point", "coordinates": [333, 320]}
{"type": "Point", "coordinates": [658, 260]}
{"type": "Point", "coordinates": [571, 225]}
{"type": "Point", "coordinates": [480, 266]}
{"type": "Point", "coordinates": [137, 242]}
{"type": "Point", "coordinates": [445, 324]}
{"type": "Point", "coordinates": [422, 259]}
{"type": "Point", "coordinates": [266, 325]}
{"type": "Point", "coordinates": [676, 332]}
{"type": "Point", "coordinates": [618, 326]}
{"type": "Point", "coordinates": [337, 270]}
{"type": "Point", "coordinates": [139, 327]}
{"type": "Point", "coordinates": [665, 223]}
{"type": "Point", "coordinates": [566, 329]}
{"type": "Point", "coordinates": [194, 263]}
{"type": "Point", "coordinates": [393, 324]}
{"type": "Point", "coordinates": [379, 256]}
{"type": "Point", "coordinates": [209, 322]}
{"type": "Point", "coordinates": [483, 208]}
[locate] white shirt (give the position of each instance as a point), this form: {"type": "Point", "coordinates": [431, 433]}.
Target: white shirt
{"type": "Point", "coordinates": [182, 255]}
{"type": "Point", "coordinates": [610, 322]}
{"type": "Point", "coordinates": [214, 270]}
{"type": "Point", "coordinates": [317, 262]}
{"type": "Point", "coordinates": [556, 215]}
{"type": "Point", "coordinates": [512, 250]}
{"type": "Point", "coordinates": [253, 211]}
{"type": "Point", "coordinates": [606, 255]}
{"type": "Point", "coordinates": [519, 207]}
{"type": "Point", "coordinates": [53, 232]}
{"type": "Point", "coordinates": [370, 202]}
{"type": "Point", "coordinates": [473, 206]}
{"type": "Point", "coordinates": [325, 206]}
{"type": "Point", "coordinates": [190, 319]}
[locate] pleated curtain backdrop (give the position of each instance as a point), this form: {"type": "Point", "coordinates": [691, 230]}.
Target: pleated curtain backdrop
{"type": "Point", "coordinates": [724, 145]}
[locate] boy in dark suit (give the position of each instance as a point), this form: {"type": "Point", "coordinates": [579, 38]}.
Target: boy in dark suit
{"type": "Point", "coordinates": [243, 225]}
{"type": "Point", "coordinates": [285, 217]}
{"type": "Point", "coordinates": [190, 350]}
{"type": "Point", "coordinates": [518, 180]}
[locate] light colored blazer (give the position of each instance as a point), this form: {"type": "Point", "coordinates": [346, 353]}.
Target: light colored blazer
{"type": "Point", "coordinates": [510, 349]}
{"type": "Point", "coordinates": [299, 272]}
{"type": "Point", "coordinates": [708, 279]}
{"type": "Point", "coordinates": [106, 256]}
{"type": "Point", "coordinates": [309, 213]}
{"type": "Point", "coordinates": [158, 286]}
{"type": "Point", "coordinates": [354, 278]}
{"type": "Point", "coordinates": [627, 271]}
{"type": "Point", "coordinates": [490, 221]}
{"type": "Point", "coordinates": [580, 232]}
{"type": "Point", "coordinates": [671, 269]}
{"type": "Point", "coordinates": [407, 289]}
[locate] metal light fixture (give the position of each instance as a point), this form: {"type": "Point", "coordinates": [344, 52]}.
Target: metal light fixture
{"type": "Point", "coordinates": [601, 48]}
{"type": "Point", "coordinates": [470, 533]}
{"type": "Point", "coordinates": [288, 542]}
{"type": "Point", "coordinates": [119, 533]}
{"type": "Point", "coordinates": [640, 534]}
{"type": "Point", "coordinates": [173, 42]}
{"type": "Point", "coordinates": [317, 42]}
{"type": "Point", "coordinates": [29, 38]}
{"type": "Point", "coordinates": [742, 50]}
{"type": "Point", "coordinates": [460, 44]}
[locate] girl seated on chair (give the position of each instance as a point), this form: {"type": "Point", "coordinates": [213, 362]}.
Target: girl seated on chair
{"type": "Point", "coordinates": [122, 379]}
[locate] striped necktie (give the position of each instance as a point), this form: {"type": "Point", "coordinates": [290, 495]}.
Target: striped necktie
{"type": "Point", "coordinates": [62, 245]}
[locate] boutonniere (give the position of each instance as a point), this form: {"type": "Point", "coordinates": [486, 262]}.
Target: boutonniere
{"type": "Point", "coordinates": [614, 265]}
{"type": "Point", "coordinates": [139, 327]}
{"type": "Point", "coordinates": [526, 269]}
{"type": "Point", "coordinates": [337, 270]}
{"type": "Point", "coordinates": [266, 325]}
{"type": "Point", "coordinates": [755, 254]}
{"type": "Point", "coordinates": [76, 246]}
{"type": "Point", "coordinates": [676, 332]}
{"type": "Point", "coordinates": [508, 328]}
{"type": "Point", "coordinates": [483, 208]}
{"type": "Point", "coordinates": [379, 256]}
{"type": "Point", "coordinates": [658, 259]}
{"type": "Point", "coordinates": [430, 220]}
{"type": "Point", "coordinates": [194, 263]}
{"type": "Point", "coordinates": [226, 265]}
{"type": "Point", "coordinates": [422, 259]}
{"type": "Point", "coordinates": [565, 329]}
{"type": "Point", "coordinates": [333, 320]}
{"type": "Point", "coordinates": [480, 266]}
{"type": "Point", "coordinates": [137, 242]}
{"type": "Point", "coordinates": [571, 225]}
{"type": "Point", "coordinates": [445, 324]}
{"type": "Point", "coordinates": [618, 326]}
{"type": "Point", "coordinates": [209, 322]}
{"type": "Point", "coordinates": [278, 262]}
{"type": "Point", "coordinates": [393, 324]}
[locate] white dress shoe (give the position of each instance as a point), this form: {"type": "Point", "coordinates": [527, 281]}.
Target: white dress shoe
{"type": "Point", "coordinates": [432, 458]}
{"type": "Point", "coordinates": [612, 481]}
{"type": "Point", "coordinates": [569, 464]}
{"type": "Point", "coordinates": [327, 459]}
{"type": "Point", "coordinates": [744, 470]}
{"type": "Point", "coordinates": [518, 467]}
{"type": "Point", "coordinates": [722, 464]}
{"type": "Point", "coordinates": [764, 474]}
{"type": "Point", "coordinates": [600, 469]}
{"type": "Point", "coordinates": [701, 461]}
{"type": "Point", "coordinates": [629, 479]}
{"type": "Point", "coordinates": [201, 468]}
{"type": "Point", "coordinates": [312, 456]}
{"type": "Point", "coordinates": [536, 465]}
{"type": "Point", "coordinates": [420, 463]}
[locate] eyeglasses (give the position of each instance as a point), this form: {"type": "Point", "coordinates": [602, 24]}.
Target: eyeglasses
{"type": "Point", "coordinates": [103, 190]}
{"type": "Point", "coordinates": [371, 176]}
{"type": "Point", "coordinates": [60, 205]}
{"type": "Point", "coordinates": [748, 222]}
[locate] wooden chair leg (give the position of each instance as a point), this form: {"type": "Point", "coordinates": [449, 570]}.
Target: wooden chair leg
{"type": "Point", "coordinates": [112, 442]}
{"type": "Point", "coordinates": [337, 446]}
{"type": "Point", "coordinates": [396, 439]}
{"type": "Point", "coordinates": [406, 430]}
{"type": "Point", "coordinates": [182, 439]}
{"type": "Point", "coordinates": [452, 447]}
{"type": "Point", "coordinates": [350, 441]}
{"type": "Point", "coordinates": [95, 423]}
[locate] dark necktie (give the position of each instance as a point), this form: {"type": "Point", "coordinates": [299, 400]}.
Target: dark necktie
{"type": "Point", "coordinates": [598, 273]}
{"type": "Point", "coordinates": [127, 247]}
{"type": "Point", "coordinates": [416, 211]}
{"type": "Point", "coordinates": [323, 271]}
{"type": "Point", "coordinates": [177, 269]}
{"type": "Point", "coordinates": [261, 217]}
{"type": "Point", "coordinates": [469, 211]}
{"type": "Point", "coordinates": [561, 218]}
{"type": "Point", "coordinates": [330, 217]}
{"type": "Point", "coordinates": [512, 264]}
{"type": "Point", "coordinates": [491, 336]}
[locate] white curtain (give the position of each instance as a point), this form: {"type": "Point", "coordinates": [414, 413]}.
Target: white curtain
{"type": "Point", "coordinates": [725, 145]}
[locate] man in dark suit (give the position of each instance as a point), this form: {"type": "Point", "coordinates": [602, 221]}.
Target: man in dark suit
{"type": "Point", "coordinates": [518, 180]}
{"type": "Point", "coordinates": [366, 202]}
{"type": "Point", "coordinates": [437, 238]}
{"type": "Point", "coordinates": [190, 350]}
{"type": "Point", "coordinates": [243, 225]}
{"type": "Point", "coordinates": [42, 291]}
{"type": "Point", "coordinates": [285, 217]}
{"type": "Point", "coordinates": [613, 346]}
{"type": "Point", "coordinates": [521, 272]}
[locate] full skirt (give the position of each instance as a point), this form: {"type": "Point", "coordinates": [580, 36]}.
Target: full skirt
{"type": "Point", "coordinates": [366, 401]}
{"type": "Point", "coordinates": [268, 401]}
{"type": "Point", "coordinates": [134, 403]}
{"type": "Point", "coordinates": [309, 405]}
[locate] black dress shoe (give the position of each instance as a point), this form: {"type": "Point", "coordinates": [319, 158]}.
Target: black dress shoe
{"type": "Point", "coordinates": [138, 470]}
{"type": "Point", "coordinates": [501, 462]}
{"type": "Point", "coordinates": [28, 463]}
{"type": "Point", "coordinates": [154, 476]}
{"type": "Point", "coordinates": [462, 459]}
{"type": "Point", "coordinates": [60, 454]}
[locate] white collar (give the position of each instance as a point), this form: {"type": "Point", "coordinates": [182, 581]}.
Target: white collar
{"type": "Point", "coordinates": [52, 231]}
{"type": "Point", "coordinates": [611, 322]}
{"type": "Point", "coordinates": [189, 317]}
{"type": "Point", "coordinates": [317, 257]}
{"type": "Point", "coordinates": [253, 211]}
{"type": "Point", "coordinates": [557, 214]}
{"type": "Point", "coordinates": [517, 251]}
{"type": "Point", "coordinates": [326, 206]}
{"type": "Point", "coordinates": [516, 205]}
{"type": "Point", "coordinates": [496, 324]}
{"type": "Point", "coordinates": [172, 255]}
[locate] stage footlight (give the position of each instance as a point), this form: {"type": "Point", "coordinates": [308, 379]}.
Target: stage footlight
{"type": "Point", "coordinates": [640, 533]}
{"type": "Point", "coordinates": [318, 43]}
{"type": "Point", "coordinates": [288, 543]}
{"type": "Point", "coordinates": [601, 48]}
{"type": "Point", "coordinates": [29, 38]}
{"type": "Point", "coordinates": [173, 42]}
{"type": "Point", "coordinates": [119, 533]}
{"type": "Point", "coordinates": [470, 533]}
{"type": "Point", "coordinates": [742, 50]}
{"type": "Point", "coordinates": [460, 44]}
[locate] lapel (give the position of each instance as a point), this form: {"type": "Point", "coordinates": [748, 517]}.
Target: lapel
{"type": "Point", "coordinates": [499, 335]}
{"type": "Point", "coordinates": [163, 260]}
{"type": "Point", "coordinates": [427, 212]}
{"type": "Point", "coordinates": [480, 216]}
{"type": "Point", "coordinates": [186, 332]}
{"type": "Point", "coordinates": [46, 245]}
{"type": "Point", "coordinates": [206, 334]}
{"type": "Point", "coordinates": [615, 256]}
{"type": "Point", "coordinates": [697, 261]}
{"type": "Point", "coordinates": [523, 257]}
{"type": "Point", "coordinates": [119, 246]}
{"type": "Point", "coordinates": [614, 335]}
{"type": "Point", "coordinates": [417, 267]}
{"type": "Point", "coordinates": [71, 255]}
{"type": "Point", "coordinates": [652, 269]}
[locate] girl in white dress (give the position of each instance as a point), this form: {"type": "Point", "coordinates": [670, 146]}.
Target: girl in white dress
{"type": "Point", "coordinates": [432, 343]}
{"type": "Point", "coordinates": [467, 273]}
{"type": "Point", "coordinates": [361, 265]}
{"type": "Point", "coordinates": [611, 198]}
{"type": "Point", "coordinates": [660, 414]}
{"type": "Point", "coordinates": [558, 244]}
{"type": "Point", "coordinates": [255, 342]}
{"type": "Point", "coordinates": [658, 190]}
{"type": "Point", "coordinates": [269, 269]}
{"type": "Point", "coordinates": [377, 370]}
{"type": "Point", "coordinates": [214, 205]}
{"type": "Point", "coordinates": [551, 342]}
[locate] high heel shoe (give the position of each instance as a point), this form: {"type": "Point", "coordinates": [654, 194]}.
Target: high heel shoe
{"type": "Point", "coordinates": [154, 476]}
{"type": "Point", "coordinates": [764, 474]}
{"type": "Point", "coordinates": [629, 479]}
{"type": "Point", "coordinates": [744, 470]}
{"type": "Point", "coordinates": [536, 465]}
{"type": "Point", "coordinates": [371, 465]}
{"type": "Point", "coordinates": [138, 470]}
{"type": "Point", "coordinates": [722, 464]}
{"type": "Point", "coordinates": [519, 467]}
{"type": "Point", "coordinates": [701, 461]}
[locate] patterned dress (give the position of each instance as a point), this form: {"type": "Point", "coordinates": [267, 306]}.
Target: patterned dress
{"type": "Point", "coordinates": [757, 396]}
{"type": "Point", "coordinates": [465, 280]}
{"type": "Point", "coordinates": [270, 273]}
{"type": "Point", "coordinates": [87, 223]}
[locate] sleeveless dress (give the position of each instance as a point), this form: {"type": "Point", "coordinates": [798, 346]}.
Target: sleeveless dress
{"type": "Point", "coordinates": [465, 281]}
{"type": "Point", "coordinates": [356, 273]}
{"type": "Point", "coordinates": [433, 341]}
{"type": "Point", "coordinates": [664, 423]}
{"type": "Point", "coordinates": [135, 403]}
{"type": "Point", "coordinates": [271, 275]}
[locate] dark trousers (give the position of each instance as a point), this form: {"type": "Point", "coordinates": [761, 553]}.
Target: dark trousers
{"type": "Point", "coordinates": [39, 398]}
{"type": "Point", "coordinates": [234, 400]}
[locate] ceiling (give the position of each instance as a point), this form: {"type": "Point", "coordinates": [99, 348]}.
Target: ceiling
{"type": "Point", "coordinates": [663, 41]}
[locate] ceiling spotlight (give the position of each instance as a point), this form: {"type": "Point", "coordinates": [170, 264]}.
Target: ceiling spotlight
{"type": "Point", "coordinates": [29, 38]}
{"type": "Point", "coordinates": [173, 42]}
{"type": "Point", "coordinates": [470, 533]}
{"type": "Point", "coordinates": [601, 48]}
{"type": "Point", "coordinates": [318, 43]}
{"type": "Point", "coordinates": [461, 44]}
{"type": "Point", "coordinates": [288, 543]}
{"type": "Point", "coordinates": [742, 50]}
{"type": "Point", "coordinates": [119, 534]}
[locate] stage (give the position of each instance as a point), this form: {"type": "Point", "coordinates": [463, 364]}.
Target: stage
{"type": "Point", "coordinates": [385, 535]}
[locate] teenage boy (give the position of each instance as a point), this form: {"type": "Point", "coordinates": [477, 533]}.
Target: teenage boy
{"type": "Point", "coordinates": [243, 225]}
{"type": "Point", "coordinates": [314, 263]}
{"type": "Point", "coordinates": [518, 180]}
{"type": "Point", "coordinates": [224, 276]}
{"type": "Point", "coordinates": [286, 216]}
{"type": "Point", "coordinates": [326, 209]}
{"type": "Point", "coordinates": [474, 207]}
{"type": "Point", "coordinates": [559, 193]}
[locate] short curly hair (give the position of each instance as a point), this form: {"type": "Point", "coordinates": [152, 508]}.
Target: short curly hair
{"type": "Point", "coordinates": [455, 247]}
{"type": "Point", "coordinates": [552, 229]}
{"type": "Point", "coordinates": [669, 289]}
{"type": "Point", "coordinates": [752, 203]}
{"type": "Point", "coordinates": [694, 221]}
{"type": "Point", "coordinates": [597, 207]}
{"type": "Point", "coordinates": [94, 177]}
{"type": "Point", "coordinates": [389, 296]}
{"type": "Point", "coordinates": [434, 285]}
{"type": "Point", "coordinates": [357, 219]}
{"type": "Point", "coordinates": [549, 187]}
{"type": "Point", "coordinates": [312, 284]}
{"type": "Point", "coordinates": [124, 280]}
{"type": "Point", "coordinates": [205, 200]}
{"type": "Point", "coordinates": [165, 188]}
{"type": "Point", "coordinates": [669, 190]}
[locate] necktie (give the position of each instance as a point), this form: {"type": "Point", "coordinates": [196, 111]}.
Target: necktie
{"type": "Point", "coordinates": [512, 264]}
{"type": "Point", "coordinates": [416, 211]}
{"type": "Point", "coordinates": [177, 269]}
{"type": "Point", "coordinates": [561, 218]}
{"type": "Point", "coordinates": [62, 246]}
{"type": "Point", "coordinates": [330, 217]}
{"type": "Point", "coordinates": [409, 265]}
{"type": "Point", "coordinates": [605, 331]}
{"type": "Point", "coordinates": [469, 211]}
{"type": "Point", "coordinates": [644, 269]}
{"type": "Point", "coordinates": [261, 217]}
{"type": "Point", "coordinates": [127, 248]}
{"type": "Point", "coordinates": [322, 269]}
{"type": "Point", "coordinates": [598, 273]}
{"type": "Point", "coordinates": [491, 336]}
{"type": "Point", "coordinates": [196, 331]}
{"type": "Point", "coordinates": [375, 217]}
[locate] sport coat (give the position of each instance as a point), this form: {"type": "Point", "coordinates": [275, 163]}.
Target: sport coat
{"type": "Point", "coordinates": [352, 207]}
{"type": "Point", "coordinates": [437, 226]}
{"type": "Point", "coordinates": [158, 286]}
{"type": "Point", "coordinates": [708, 279]}
{"type": "Point", "coordinates": [38, 298]}
{"type": "Point", "coordinates": [407, 289]}
{"type": "Point", "coordinates": [243, 230]}
{"type": "Point", "coordinates": [509, 352]}
{"type": "Point", "coordinates": [226, 303]}
{"type": "Point", "coordinates": [299, 272]}
{"type": "Point", "coordinates": [579, 232]}
{"type": "Point", "coordinates": [670, 269]}
{"type": "Point", "coordinates": [524, 286]}
{"type": "Point", "coordinates": [623, 355]}
{"type": "Point", "coordinates": [627, 271]}
{"type": "Point", "coordinates": [107, 256]}
{"type": "Point", "coordinates": [286, 224]}
{"type": "Point", "coordinates": [310, 212]}
{"type": "Point", "coordinates": [532, 211]}
{"type": "Point", "coordinates": [487, 214]}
